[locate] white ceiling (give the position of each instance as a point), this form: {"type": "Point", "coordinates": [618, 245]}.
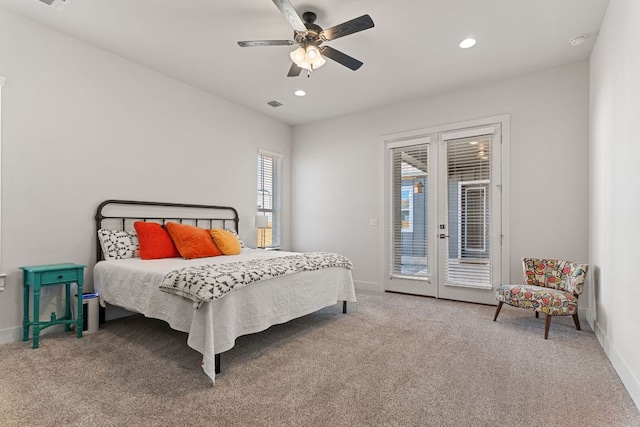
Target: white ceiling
{"type": "Point", "coordinates": [412, 51]}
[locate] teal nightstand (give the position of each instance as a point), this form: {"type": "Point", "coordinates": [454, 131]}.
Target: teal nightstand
{"type": "Point", "coordinates": [37, 276]}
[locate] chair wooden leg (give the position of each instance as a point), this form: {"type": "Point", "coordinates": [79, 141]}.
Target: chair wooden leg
{"type": "Point", "coordinates": [547, 323]}
{"type": "Point", "coordinates": [576, 321]}
{"type": "Point", "coordinates": [497, 310]}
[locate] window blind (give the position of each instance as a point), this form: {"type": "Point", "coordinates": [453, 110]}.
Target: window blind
{"type": "Point", "coordinates": [468, 260]}
{"type": "Point", "coordinates": [269, 197]}
{"type": "Point", "coordinates": [409, 216]}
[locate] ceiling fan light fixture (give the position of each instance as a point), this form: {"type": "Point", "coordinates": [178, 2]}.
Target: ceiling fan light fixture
{"type": "Point", "coordinates": [308, 58]}
{"type": "Point", "coordinates": [305, 66]}
{"type": "Point", "coordinates": [297, 56]}
{"type": "Point", "coordinates": [313, 56]}
{"type": "Point", "coordinates": [319, 62]}
{"type": "Point", "coordinates": [312, 53]}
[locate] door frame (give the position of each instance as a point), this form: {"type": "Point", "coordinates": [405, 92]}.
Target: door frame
{"type": "Point", "coordinates": [424, 133]}
{"type": "Point", "coordinates": [428, 285]}
{"type": "Point", "coordinates": [460, 291]}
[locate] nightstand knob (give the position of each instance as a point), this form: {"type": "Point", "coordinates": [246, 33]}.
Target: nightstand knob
{"type": "Point", "coordinates": [60, 276]}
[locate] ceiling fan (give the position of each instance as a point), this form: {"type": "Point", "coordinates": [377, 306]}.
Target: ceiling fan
{"type": "Point", "coordinates": [309, 36]}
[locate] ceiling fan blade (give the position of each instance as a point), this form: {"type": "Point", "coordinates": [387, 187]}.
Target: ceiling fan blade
{"type": "Point", "coordinates": [294, 71]}
{"type": "Point", "coordinates": [254, 43]}
{"type": "Point", "coordinates": [341, 58]}
{"type": "Point", "coordinates": [358, 24]}
{"type": "Point", "coordinates": [291, 15]}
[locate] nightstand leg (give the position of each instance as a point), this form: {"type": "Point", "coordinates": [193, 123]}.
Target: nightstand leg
{"type": "Point", "coordinates": [25, 313]}
{"type": "Point", "coordinates": [36, 317]}
{"type": "Point", "coordinates": [67, 306]}
{"type": "Point", "coordinates": [80, 318]}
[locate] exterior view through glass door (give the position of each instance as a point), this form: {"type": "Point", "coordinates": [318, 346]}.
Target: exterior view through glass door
{"type": "Point", "coordinates": [444, 222]}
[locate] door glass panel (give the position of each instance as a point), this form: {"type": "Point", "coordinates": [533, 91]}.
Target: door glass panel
{"type": "Point", "coordinates": [409, 218]}
{"type": "Point", "coordinates": [468, 186]}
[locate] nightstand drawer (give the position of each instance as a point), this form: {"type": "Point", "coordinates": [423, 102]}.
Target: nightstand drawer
{"type": "Point", "coordinates": [61, 276]}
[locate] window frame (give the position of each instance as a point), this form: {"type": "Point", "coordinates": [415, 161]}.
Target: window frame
{"type": "Point", "coordinates": [274, 212]}
{"type": "Point", "coordinates": [2, 275]}
{"type": "Point", "coordinates": [465, 186]}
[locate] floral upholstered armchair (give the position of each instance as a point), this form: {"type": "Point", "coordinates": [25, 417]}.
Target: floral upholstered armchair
{"type": "Point", "coordinates": [552, 287]}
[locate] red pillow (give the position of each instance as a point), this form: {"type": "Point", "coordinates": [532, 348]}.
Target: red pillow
{"type": "Point", "coordinates": [192, 241]}
{"type": "Point", "coordinates": [155, 242]}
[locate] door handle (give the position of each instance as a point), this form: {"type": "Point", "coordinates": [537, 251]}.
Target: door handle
{"type": "Point", "coordinates": [442, 235]}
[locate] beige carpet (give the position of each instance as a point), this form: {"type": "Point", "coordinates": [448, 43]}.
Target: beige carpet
{"type": "Point", "coordinates": [393, 360]}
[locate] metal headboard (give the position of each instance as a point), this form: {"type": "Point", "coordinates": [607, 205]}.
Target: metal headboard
{"type": "Point", "coordinates": [219, 215]}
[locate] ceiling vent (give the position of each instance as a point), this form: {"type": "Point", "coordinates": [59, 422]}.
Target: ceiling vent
{"type": "Point", "coordinates": [56, 4]}
{"type": "Point", "coordinates": [274, 104]}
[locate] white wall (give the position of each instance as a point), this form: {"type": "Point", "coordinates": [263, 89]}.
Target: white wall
{"type": "Point", "coordinates": [80, 125]}
{"type": "Point", "coordinates": [336, 174]}
{"type": "Point", "coordinates": [615, 183]}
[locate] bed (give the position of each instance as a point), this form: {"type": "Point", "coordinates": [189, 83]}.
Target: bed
{"type": "Point", "coordinates": [212, 326]}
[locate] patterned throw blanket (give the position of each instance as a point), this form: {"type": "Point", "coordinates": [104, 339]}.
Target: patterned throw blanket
{"type": "Point", "coordinates": [209, 282]}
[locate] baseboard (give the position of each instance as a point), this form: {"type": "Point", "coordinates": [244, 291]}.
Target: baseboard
{"type": "Point", "coordinates": [583, 313]}
{"type": "Point", "coordinates": [591, 319]}
{"type": "Point", "coordinates": [367, 286]}
{"type": "Point", "coordinates": [629, 380]}
{"type": "Point", "coordinates": [10, 335]}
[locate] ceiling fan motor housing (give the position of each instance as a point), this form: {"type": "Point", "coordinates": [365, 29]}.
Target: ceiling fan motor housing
{"type": "Point", "coordinates": [309, 17]}
{"type": "Point", "coordinates": [313, 31]}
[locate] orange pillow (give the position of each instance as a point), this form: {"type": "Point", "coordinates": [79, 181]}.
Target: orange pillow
{"type": "Point", "coordinates": [155, 242]}
{"type": "Point", "coordinates": [226, 241]}
{"type": "Point", "coordinates": [191, 241]}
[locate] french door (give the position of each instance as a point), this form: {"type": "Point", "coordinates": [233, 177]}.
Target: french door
{"type": "Point", "coordinates": [443, 214]}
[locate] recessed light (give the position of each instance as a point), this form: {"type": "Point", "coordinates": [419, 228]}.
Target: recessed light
{"type": "Point", "coordinates": [467, 43]}
{"type": "Point", "coordinates": [577, 40]}
{"type": "Point", "coordinates": [300, 92]}
{"type": "Point", "coordinates": [474, 142]}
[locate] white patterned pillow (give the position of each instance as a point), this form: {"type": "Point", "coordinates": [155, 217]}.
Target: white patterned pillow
{"type": "Point", "coordinates": [119, 244]}
{"type": "Point", "coordinates": [235, 233]}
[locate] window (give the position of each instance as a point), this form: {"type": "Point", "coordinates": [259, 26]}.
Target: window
{"type": "Point", "coordinates": [269, 204]}
{"type": "Point", "coordinates": [409, 223]}
{"type": "Point", "coordinates": [406, 207]}
{"type": "Point", "coordinates": [473, 218]}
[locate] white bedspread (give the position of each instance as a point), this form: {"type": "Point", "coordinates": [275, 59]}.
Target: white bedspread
{"type": "Point", "coordinates": [213, 328]}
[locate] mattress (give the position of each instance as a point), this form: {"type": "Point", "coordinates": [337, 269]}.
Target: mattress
{"type": "Point", "coordinates": [134, 284]}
